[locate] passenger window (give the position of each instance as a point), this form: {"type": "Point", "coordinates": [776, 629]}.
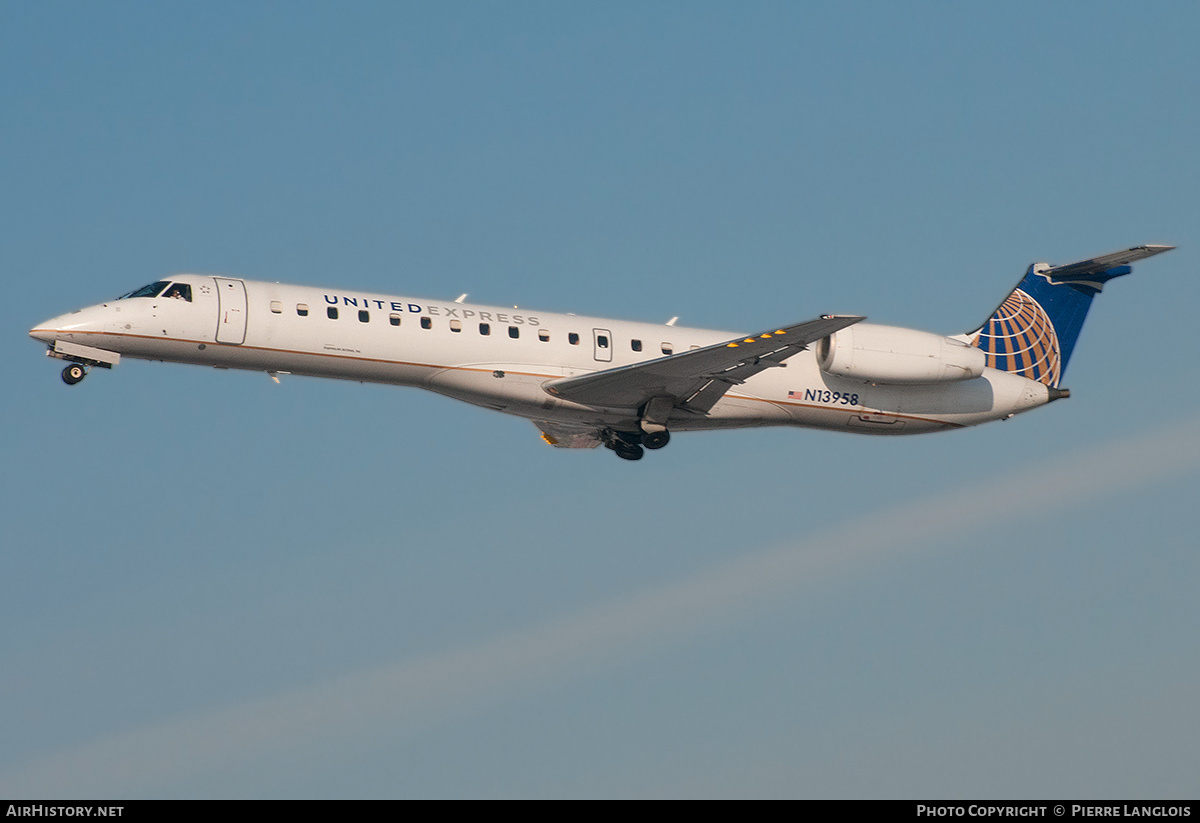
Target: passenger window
{"type": "Point", "coordinates": [667, 348]}
{"type": "Point", "coordinates": [573, 339]}
{"type": "Point", "coordinates": [180, 291]}
{"type": "Point", "coordinates": [455, 326]}
{"type": "Point", "coordinates": [485, 329]}
{"type": "Point", "coordinates": [276, 307]}
{"type": "Point", "coordinates": [544, 336]}
{"type": "Point", "coordinates": [636, 345]}
{"type": "Point", "coordinates": [331, 312]}
{"type": "Point", "coordinates": [514, 332]}
{"type": "Point", "coordinates": [302, 309]}
{"type": "Point", "coordinates": [602, 341]}
{"type": "Point", "coordinates": [394, 319]}
{"type": "Point", "coordinates": [364, 316]}
{"type": "Point", "coordinates": [426, 323]}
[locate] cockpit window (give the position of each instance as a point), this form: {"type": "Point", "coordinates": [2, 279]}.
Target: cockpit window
{"type": "Point", "coordinates": [179, 291]}
{"type": "Point", "coordinates": [147, 291]}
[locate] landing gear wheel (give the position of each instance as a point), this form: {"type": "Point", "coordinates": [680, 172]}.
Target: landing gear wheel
{"type": "Point", "coordinates": [656, 440]}
{"type": "Point", "coordinates": [73, 373]}
{"type": "Point", "coordinates": [628, 452]}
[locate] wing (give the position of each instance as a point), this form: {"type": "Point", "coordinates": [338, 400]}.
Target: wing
{"type": "Point", "coordinates": [695, 380]}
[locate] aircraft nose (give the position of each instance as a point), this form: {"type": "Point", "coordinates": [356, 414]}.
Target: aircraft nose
{"type": "Point", "coordinates": [65, 326]}
{"type": "Point", "coordinates": [47, 330]}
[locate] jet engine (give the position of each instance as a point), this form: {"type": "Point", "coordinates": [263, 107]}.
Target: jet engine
{"type": "Point", "coordinates": [888, 354]}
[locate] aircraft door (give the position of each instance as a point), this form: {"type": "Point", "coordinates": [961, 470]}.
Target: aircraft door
{"type": "Point", "coordinates": [231, 316]}
{"type": "Point", "coordinates": [602, 339]}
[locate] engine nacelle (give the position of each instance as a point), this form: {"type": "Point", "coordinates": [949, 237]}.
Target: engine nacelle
{"type": "Point", "coordinates": [888, 354]}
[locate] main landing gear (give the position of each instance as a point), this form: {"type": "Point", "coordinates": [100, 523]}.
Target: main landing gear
{"type": "Point", "coordinates": [627, 452]}
{"type": "Point", "coordinates": [73, 373]}
{"type": "Point", "coordinates": [653, 434]}
{"type": "Point", "coordinates": [632, 445]}
{"type": "Point", "coordinates": [652, 424]}
{"type": "Point", "coordinates": [656, 440]}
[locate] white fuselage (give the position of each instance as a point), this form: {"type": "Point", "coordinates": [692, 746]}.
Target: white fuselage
{"type": "Point", "coordinates": [500, 358]}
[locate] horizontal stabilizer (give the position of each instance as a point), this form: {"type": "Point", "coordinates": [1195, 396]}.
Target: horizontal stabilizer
{"type": "Point", "coordinates": [1084, 269]}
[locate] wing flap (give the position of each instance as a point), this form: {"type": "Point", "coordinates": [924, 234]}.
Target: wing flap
{"type": "Point", "coordinates": [696, 379]}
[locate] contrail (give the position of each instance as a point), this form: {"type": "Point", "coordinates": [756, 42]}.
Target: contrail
{"type": "Point", "coordinates": [143, 760]}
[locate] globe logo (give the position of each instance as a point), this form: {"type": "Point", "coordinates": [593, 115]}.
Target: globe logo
{"type": "Point", "coordinates": [1021, 339]}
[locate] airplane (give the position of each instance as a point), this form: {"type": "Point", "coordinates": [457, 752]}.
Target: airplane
{"type": "Point", "coordinates": [588, 381]}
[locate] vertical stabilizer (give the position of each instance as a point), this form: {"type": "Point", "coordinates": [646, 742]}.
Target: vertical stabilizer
{"type": "Point", "coordinates": [1034, 330]}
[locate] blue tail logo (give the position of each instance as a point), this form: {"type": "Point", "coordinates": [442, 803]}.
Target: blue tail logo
{"type": "Point", "coordinates": [1034, 330]}
{"type": "Point", "coordinates": [1020, 337]}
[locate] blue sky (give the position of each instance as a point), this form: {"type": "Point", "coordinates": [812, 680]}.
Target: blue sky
{"type": "Point", "coordinates": [217, 586]}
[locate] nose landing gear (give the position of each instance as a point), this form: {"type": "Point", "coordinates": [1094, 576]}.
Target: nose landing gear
{"type": "Point", "coordinates": [73, 373]}
{"type": "Point", "coordinates": [81, 359]}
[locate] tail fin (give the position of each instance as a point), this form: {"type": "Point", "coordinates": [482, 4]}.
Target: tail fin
{"type": "Point", "coordinates": [1034, 330]}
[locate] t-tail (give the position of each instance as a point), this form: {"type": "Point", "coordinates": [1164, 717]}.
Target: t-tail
{"type": "Point", "coordinates": [1034, 330]}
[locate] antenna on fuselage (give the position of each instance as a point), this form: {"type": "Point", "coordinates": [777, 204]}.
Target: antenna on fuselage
{"type": "Point", "coordinates": [461, 298]}
{"type": "Point", "coordinates": [671, 322]}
